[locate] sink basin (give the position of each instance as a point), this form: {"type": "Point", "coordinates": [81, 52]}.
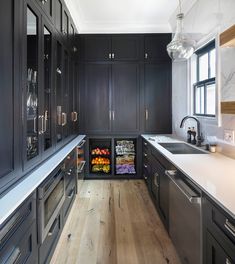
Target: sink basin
{"type": "Point", "coordinates": [181, 148]}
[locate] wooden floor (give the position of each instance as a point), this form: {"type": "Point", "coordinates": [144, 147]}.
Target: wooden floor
{"type": "Point", "coordinates": [114, 222]}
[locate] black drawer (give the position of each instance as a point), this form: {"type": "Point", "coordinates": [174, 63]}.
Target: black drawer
{"type": "Point", "coordinates": [220, 224]}
{"type": "Point", "coordinates": [47, 248]}
{"type": "Point", "coordinates": [23, 216]}
{"type": "Point", "coordinates": [22, 247]}
{"type": "Point", "coordinates": [70, 176]}
{"type": "Point", "coordinates": [69, 198]}
{"type": "Point", "coordinates": [215, 253]}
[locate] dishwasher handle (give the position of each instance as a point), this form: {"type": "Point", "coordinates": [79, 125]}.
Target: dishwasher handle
{"type": "Point", "coordinates": [191, 195]}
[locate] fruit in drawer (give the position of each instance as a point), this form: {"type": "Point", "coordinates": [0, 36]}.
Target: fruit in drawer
{"type": "Point", "coordinates": [98, 151]}
{"type": "Point", "coordinates": [100, 160]}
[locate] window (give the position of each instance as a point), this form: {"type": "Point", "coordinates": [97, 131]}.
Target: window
{"type": "Point", "coordinates": [205, 87]}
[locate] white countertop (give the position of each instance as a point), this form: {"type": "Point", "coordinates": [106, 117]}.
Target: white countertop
{"type": "Point", "coordinates": [213, 173]}
{"type": "Point", "coordinates": [12, 199]}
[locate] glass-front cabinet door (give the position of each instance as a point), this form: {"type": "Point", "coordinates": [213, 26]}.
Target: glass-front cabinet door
{"type": "Point", "coordinates": [32, 91]}
{"type": "Point", "coordinates": [47, 89]}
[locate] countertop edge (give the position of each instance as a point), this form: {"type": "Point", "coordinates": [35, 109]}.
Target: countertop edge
{"type": "Point", "coordinates": [15, 197]}
{"type": "Point", "coordinates": [190, 178]}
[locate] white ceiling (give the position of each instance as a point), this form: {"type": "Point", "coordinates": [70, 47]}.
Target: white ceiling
{"type": "Point", "coordinates": [123, 16]}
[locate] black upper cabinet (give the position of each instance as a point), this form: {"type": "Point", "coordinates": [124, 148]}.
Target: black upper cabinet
{"type": "Point", "coordinates": [32, 77]}
{"type": "Point", "coordinates": [9, 107]}
{"type": "Point", "coordinates": [157, 97]}
{"type": "Point", "coordinates": [58, 9]}
{"type": "Point", "coordinates": [97, 48]}
{"type": "Point", "coordinates": [112, 48]}
{"type": "Point", "coordinates": [125, 47]}
{"type": "Point", "coordinates": [47, 6]}
{"type": "Point", "coordinates": [125, 97]}
{"type": "Point", "coordinates": [155, 47]}
{"type": "Point", "coordinates": [97, 107]}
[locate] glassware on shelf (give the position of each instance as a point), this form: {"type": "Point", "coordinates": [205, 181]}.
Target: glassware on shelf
{"type": "Point", "coordinates": [32, 100]}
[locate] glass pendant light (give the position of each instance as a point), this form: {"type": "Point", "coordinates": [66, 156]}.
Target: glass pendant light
{"type": "Point", "coordinates": [181, 47]}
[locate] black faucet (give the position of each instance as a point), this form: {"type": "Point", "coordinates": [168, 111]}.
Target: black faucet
{"type": "Point", "coordinates": [199, 135]}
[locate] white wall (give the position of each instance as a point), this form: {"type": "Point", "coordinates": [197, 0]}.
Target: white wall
{"type": "Point", "coordinates": [201, 20]}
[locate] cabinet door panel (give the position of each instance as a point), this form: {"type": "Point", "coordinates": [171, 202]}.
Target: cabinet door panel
{"type": "Point", "coordinates": [157, 98]}
{"type": "Point", "coordinates": [125, 94]}
{"type": "Point", "coordinates": [47, 92]}
{"type": "Point", "coordinates": [125, 47]}
{"type": "Point", "coordinates": [97, 48]}
{"type": "Point", "coordinates": [31, 97]}
{"type": "Point", "coordinates": [97, 98]}
{"type": "Point", "coordinates": [155, 47]}
{"type": "Point", "coordinates": [6, 84]}
{"type": "Point", "coordinates": [58, 15]}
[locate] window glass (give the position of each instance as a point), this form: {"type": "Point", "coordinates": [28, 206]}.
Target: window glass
{"type": "Point", "coordinates": [210, 96]}
{"type": "Point", "coordinates": [203, 67]}
{"type": "Point", "coordinates": [199, 100]}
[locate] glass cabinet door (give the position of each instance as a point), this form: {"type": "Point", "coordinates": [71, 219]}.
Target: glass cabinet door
{"type": "Point", "coordinates": [66, 94]}
{"type": "Point", "coordinates": [59, 122]}
{"type": "Point", "coordinates": [47, 131]}
{"type": "Point", "coordinates": [32, 118]}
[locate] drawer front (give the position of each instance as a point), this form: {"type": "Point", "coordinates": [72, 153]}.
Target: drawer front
{"type": "Point", "coordinates": [70, 176]}
{"type": "Point", "coordinates": [146, 149]}
{"type": "Point", "coordinates": [220, 222]}
{"type": "Point", "coordinates": [47, 248]}
{"type": "Point", "coordinates": [70, 196]}
{"type": "Point", "coordinates": [21, 247]}
{"type": "Point", "coordinates": [215, 253]}
{"type": "Point", "coordinates": [23, 216]}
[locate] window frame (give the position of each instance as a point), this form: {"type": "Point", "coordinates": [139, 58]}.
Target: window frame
{"type": "Point", "coordinates": [206, 49]}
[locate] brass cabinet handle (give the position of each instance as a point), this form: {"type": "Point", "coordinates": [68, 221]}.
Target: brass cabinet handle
{"type": "Point", "coordinates": [113, 114]}
{"type": "Point", "coordinates": [64, 119]}
{"type": "Point", "coordinates": [74, 116]}
{"type": "Point", "coordinates": [45, 121]}
{"type": "Point", "coordinates": [146, 114]}
{"type": "Point", "coordinates": [113, 55]}
{"type": "Point", "coordinates": [230, 227]}
{"type": "Point", "coordinates": [59, 115]}
{"type": "Point", "coordinates": [110, 55]}
{"type": "Point", "coordinates": [35, 125]}
{"type": "Point", "coordinates": [58, 70]}
{"type": "Point", "coordinates": [228, 261]}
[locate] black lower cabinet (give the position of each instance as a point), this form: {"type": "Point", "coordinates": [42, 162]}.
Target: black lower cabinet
{"type": "Point", "coordinates": [219, 234]}
{"type": "Point", "coordinates": [215, 253]}
{"type": "Point", "coordinates": [46, 250]}
{"type": "Point", "coordinates": [18, 235]}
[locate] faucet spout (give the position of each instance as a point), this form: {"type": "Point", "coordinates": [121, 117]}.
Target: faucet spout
{"type": "Point", "coordinates": [199, 136]}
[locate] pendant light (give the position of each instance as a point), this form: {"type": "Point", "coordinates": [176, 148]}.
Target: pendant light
{"type": "Point", "coordinates": [182, 46]}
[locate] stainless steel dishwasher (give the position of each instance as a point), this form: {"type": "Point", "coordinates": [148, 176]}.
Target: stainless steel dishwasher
{"type": "Point", "coordinates": [185, 218]}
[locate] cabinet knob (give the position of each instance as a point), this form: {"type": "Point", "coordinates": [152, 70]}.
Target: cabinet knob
{"type": "Point", "coordinates": [146, 56]}
{"type": "Point", "coordinates": [145, 154]}
{"type": "Point", "coordinates": [228, 261]}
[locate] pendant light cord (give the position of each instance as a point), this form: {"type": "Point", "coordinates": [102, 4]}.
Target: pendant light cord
{"type": "Point", "coordinates": [180, 6]}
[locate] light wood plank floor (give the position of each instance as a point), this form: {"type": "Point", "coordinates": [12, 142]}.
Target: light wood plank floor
{"type": "Point", "coordinates": [114, 222]}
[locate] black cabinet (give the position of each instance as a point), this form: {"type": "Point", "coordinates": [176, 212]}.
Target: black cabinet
{"type": "Point", "coordinates": [58, 9]}
{"type": "Point", "coordinates": [215, 253]}
{"type": "Point", "coordinates": [157, 98]}
{"type": "Point", "coordinates": [125, 97]}
{"type": "Point", "coordinates": [218, 234]}
{"type": "Point", "coordinates": [97, 48]}
{"type": "Point", "coordinates": [9, 105]}
{"type": "Point", "coordinates": [18, 235]}
{"type": "Point", "coordinates": [155, 47]}
{"type": "Point", "coordinates": [126, 47]}
{"type": "Point", "coordinates": [97, 89]}
{"type": "Point", "coordinates": [111, 47]}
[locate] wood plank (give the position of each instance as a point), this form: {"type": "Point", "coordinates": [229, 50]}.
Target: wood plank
{"type": "Point", "coordinates": [227, 38]}
{"type": "Point", "coordinates": [114, 222]}
{"type": "Point", "coordinates": [228, 107]}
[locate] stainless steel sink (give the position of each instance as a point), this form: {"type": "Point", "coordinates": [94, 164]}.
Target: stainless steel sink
{"type": "Point", "coordinates": [181, 148]}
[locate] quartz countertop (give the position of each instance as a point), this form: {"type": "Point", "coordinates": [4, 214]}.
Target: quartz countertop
{"type": "Point", "coordinates": [213, 173]}
{"type": "Point", "coordinates": [11, 200]}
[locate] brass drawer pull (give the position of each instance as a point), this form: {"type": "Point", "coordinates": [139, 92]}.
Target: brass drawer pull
{"type": "Point", "coordinates": [230, 227]}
